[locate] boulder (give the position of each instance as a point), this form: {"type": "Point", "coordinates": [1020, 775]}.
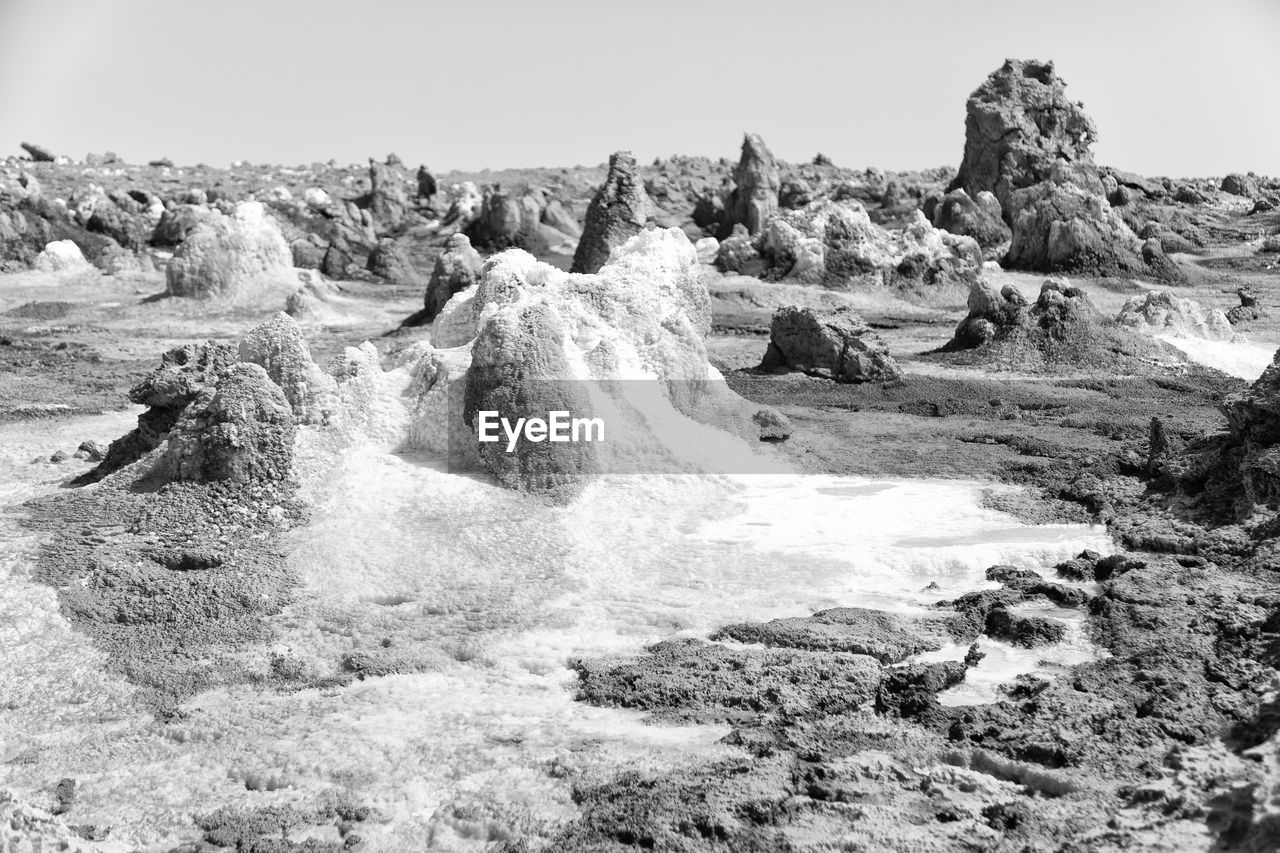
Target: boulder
{"type": "Point", "coordinates": [737, 254]}
{"type": "Point", "coordinates": [337, 258]}
{"type": "Point", "coordinates": [242, 257]}
{"type": "Point", "coordinates": [277, 346]}
{"type": "Point", "coordinates": [831, 344]}
{"type": "Point", "coordinates": [980, 218]}
{"type": "Point", "coordinates": [1248, 310]}
{"type": "Point", "coordinates": [619, 210]}
{"type": "Point", "coordinates": [1160, 312]}
{"type": "Point", "coordinates": [514, 218]}
{"type": "Point", "coordinates": [756, 181]}
{"type": "Point", "coordinates": [465, 205]}
{"type": "Point", "coordinates": [62, 257]}
{"type": "Point", "coordinates": [1241, 185]}
{"type": "Point", "coordinates": [390, 260]}
{"type": "Point", "coordinates": [1018, 125]}
{"type": "Point", "coordinates": [241, 431]}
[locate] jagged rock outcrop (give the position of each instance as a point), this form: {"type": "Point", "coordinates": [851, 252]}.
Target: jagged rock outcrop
{"type": "Point", "coordinates": [835, 244]}
{"type": "Point", "coordinates": [756, 181]}
{"type": "Point", "coordinates": [619, 210]}
{"type": "Point", "coordinates": [242, 257]}
{"type": "Point", "coordinates": [240, 430]}
{"type": "Point", "coordinates": [1018, 124]}
{"type": "Point", "coordinates": [277, 347]}
{"type": "Point", "coordinates": [1061, 329]}
{"type": "Point", "coordinates": [835, 345]}
{"type": "Point", "coordinates": [184, 372]}
{"type": "Point", "coordinates": [1059, 226]}
{"type": "Point", "coordinates": [1160, 312]}
{"type": "Point", "coordinates": [978, 217]}
{"type": "Point", "coordinates": [457, 268]}
{"type": "Point", "coordinates": [337, 258]}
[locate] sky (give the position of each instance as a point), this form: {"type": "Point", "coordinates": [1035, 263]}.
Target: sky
{"type": "Point", "coordinates": [1175, 87]}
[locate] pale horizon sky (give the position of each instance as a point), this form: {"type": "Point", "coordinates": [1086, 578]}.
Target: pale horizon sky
{"type": "Point", "coordinates": [1176, 88]}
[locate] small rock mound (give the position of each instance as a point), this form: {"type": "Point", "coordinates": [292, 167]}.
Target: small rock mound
{"type": "Point", "coordinates": [241, 430]}
{"type": "Point", "coordinates": [278, 347]}
{"type": "Point", "coordinates": [1159, 312]}
{"type": "Point", "coordinates": [1248, 310]}
{"type": "Point", "coordinates": [242, 257]}
{"type": "Point", "coordinates": [618, 212]}
{"type": "Point", "coordinates": [390, 260]}
{"type": "Point", "coordinates": [1061, 329]}
{"type": "Point", "coordinates": [833, 345]}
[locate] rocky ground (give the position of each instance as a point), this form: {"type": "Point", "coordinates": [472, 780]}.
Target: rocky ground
{"type": "Point", "coordinates": [901, 351]}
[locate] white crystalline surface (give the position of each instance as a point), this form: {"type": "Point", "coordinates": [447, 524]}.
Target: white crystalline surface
{"type": "Point", "coordinates": [1244, 359]}
{"type": "Point", "coordinates": [487, 594]}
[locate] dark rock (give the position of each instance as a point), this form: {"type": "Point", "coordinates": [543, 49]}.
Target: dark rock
{"type": "Point", "coordinates": [388, 195]}
{"type": "Point", "coordinates": [389, 260]}
{"type": "Point", "coordinates": [754, 197]}
{"type": "Point", "coordinates": [240, 431]}
{"type": "Point", "coordinates": [883, 636]}
{"type": "Point", "coordinates": [1018, 125]}
{"type": "Point", "coordinates": [834, 345]}
{"type": "Point", "coordinates": [38, 153]}
{"type": "Point", "coordinates": [1241, 185]}
{"type": "Point", "coordinates": [980, 218]}
{"type": "Point", "coordinates": [618, 211]}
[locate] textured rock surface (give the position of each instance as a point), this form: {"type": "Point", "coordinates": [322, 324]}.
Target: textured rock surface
{"type": "Point", "coordinates": [457, 268]}
{"type": "Point", "coordinates": [1162, 313]}
{"type": "Point", "coordinates": [388, 194]}
{"type": "Point", "coordinates": [617, 213]}
{"type": "Point", "coordinates": [756, 181]}
{"type": "Point", "coordinates": [390, 260]}
{"type": "Point", "coordinates": [628, 338]}
{"type": "Point", "coordinates": [835, 345]}
{"type": "Point", "coordinates": [184, 373]}
{"type": "Point", "coordinates": [1018, 124]}
{"type": "Point", "coordinates": [979, 217]}
{"type": "Point", "coordinates": [241, 431]}
{"type": "Point", "coordinates": [277, 346]}
{"type": "Point", "coordinates": [242, 257]}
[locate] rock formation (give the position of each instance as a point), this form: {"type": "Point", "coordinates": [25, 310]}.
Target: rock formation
{"type": "Point", "coordinates": [1018, 124]}
{"type": "Point", "coordinates": [1061, 329]}
{"type": "Point", "coordinates": [62, 257]}
{"type": "Point", "coordinates": [242, 257]}
{"type": "Point", "coordinates": [1160, 312]}
{"type": "Point", "coordinates": [515, 217]}
{"type": "Point", "coordinates": [620, 209]}
{"type": "Point", "coordinates": [979, 217]}
{"type": "Point", "coordinates": [756, 181]}
{"type": "Point", "coordinates": [277, 347]}
{"type": "Point", "coordinates": [183, 373]}
{"type": "Point", "coordinates": [457, 268]}
{"type": "Point", "coordinates": [38, 153]}
{"type": "Point", "coordinates": [177, 222]}
{"type": "Point", "coordinates": [1058, 226]}
{"type": "Point", "coordinates": [1241, 185]}
{"type": "Point", "coordinates": [389, 260]}
{"type": "Point", "coordinates": [388, 199]}
{"type": "Point", "coordinates": [239, 430]}
{"type": "Point", "coordinates": [835, 244]}
{"type": "Point", "coordinates": [831, 344]}
{"type": "Point", "coordinates": [637, 346]}
{"type": "Point", "coordinates": [1248, 310]}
